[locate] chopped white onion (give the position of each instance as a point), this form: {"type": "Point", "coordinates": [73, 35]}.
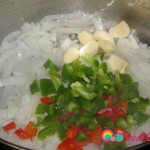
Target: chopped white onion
{"type": "Point", "coordinates": [12, 80]}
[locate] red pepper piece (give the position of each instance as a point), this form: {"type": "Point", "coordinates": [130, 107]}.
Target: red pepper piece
{"type": "Point", "coordinates": [110, 100]}
{"type": "Point", "coordinates": [33, 132]}
{"type": "Point", "coordinates": [47, 100]}
{"type": "Point", "coordinates": [107, 112]}
{"type": "Point", "coordinates": [30, 130]}
{"type": "Point", "coordinates": [68, 114]}
{"type": "Point", "coordinates": [72, 132]}
{"type": "Point", "coordinates": [21, 134]}
{"type": "Point", "coordinates": [120, 91]}
{"type": "Point", "coordinates": [60, 119]}
{"type": "Point", "coordinates": [69, 144]}
{"type": "Point", "coordinates": [104, 96]}
{"type": "Point", "coordinates": [95, 136]}
{"type": "Point", "coordinates": [29, 126]}
{"type": "Point", "coordinates": [9, 126]}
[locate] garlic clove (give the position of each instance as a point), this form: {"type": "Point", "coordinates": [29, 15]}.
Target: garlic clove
{"type": "Point", "coordinates": [107, 46]}
{"type": "Point", "coordinates": [121, 30]}
{"type": "Point", "coordinates": [118, 63]}
{"type": "Point", "coordinates": [84, 37]}
{"type": "Point", "coordinates": [102, 35]}
{"type": "Point", "coordinates": [91, 48]}
{"type": "Point", "coordinates": [71, 55]}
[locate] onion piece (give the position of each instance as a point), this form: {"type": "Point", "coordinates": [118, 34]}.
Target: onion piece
{"type": "Point", "coordinates": [70, 30]}
{"type": "Point", "coordinates": [12, 80]}
{"type": "Point", "coordinates": [10, 40]}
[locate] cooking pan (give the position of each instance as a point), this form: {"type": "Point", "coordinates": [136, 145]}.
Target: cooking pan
{"type": "Point", "coordinates": [14, 12]}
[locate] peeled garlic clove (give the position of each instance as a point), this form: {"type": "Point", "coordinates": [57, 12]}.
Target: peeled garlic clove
{"type": "Point", "coordinates": [121, 30]}
{"type": "Point", "coordinates": [118, 63]}
{"type": "Point", "coordinates": [84, 37]}
{"type": "Point", "coordinates": [91, 48]}
{"type": "Point", "coordinates": [71, 55]}
{"type": "Point", "coordinates": [106, 46]}
{"type": "Point", "coordinates": [102, 35]}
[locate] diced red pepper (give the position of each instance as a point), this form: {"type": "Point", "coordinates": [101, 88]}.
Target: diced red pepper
{"type": "Point", "coordinates": [110, 100]}
{"type": "Point", "coordinates": [113, 112]}
{"type": "Point", "coordinates": [117, 98]}
{"type": "Point", "coordinates": [107, 112]}
{"type": "Point", "coordinates": [29, 126]}
{"type": "Point", "coordinates": [124, 105]}
{"type": "Point", "coordinates": [47, 100]}
{"type": "Point", "coordinates": [30, 130]}
{"type": "Point", "coordinates": [68, 114]}
{"type": "Point", "coordinates": [95, 136]}
{"type": "Point", "coordinates": [60, 119]}
{"type": "Point", "coordinates": [72, 132]}
{"type": "Point", "coordinates": [21, 134]}
{"type": "Point", "coordinates": [84, 143]}
{"type": "Point", "coordinates": [69, 144]}
{"type": "Point", "coordinates": [9, 126]}
{"type": "Point", "coordinates": [81, 111]}
{"type": "Point", "coordinates": [33, 132]}
{"type": "Point", "coordinates": [120, 91]}
{"type": "Point", "coordinates": [104, 96]}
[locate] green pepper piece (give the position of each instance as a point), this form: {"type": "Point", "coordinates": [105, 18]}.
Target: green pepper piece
{"type": "Point", "coordinates": [48, 131]}
{"type": "Point", "coordinates": [39, 121]}
{"type": "Point", "coordinates": [51, 109]}
{"type": "Point", "coordinates": [121, 123]}
{"type": "Point", "coordinates": [47, 87]}
{"type": "Point", "coordinates": [41, 109]}
{"type": "Point", "coordinates": [141, 118]}
{"type": "Point", "coordinates": [61, 131]}
{"type": "Point", "coordinates": [34, 87]}
{"type": "Point", "coordinates": [105, 123]}
{"type": "Point", "coordinates": [73, 104]}
{"type": "Point", "coordinates": [100, 55]}
{"type": "Point", "coordinates": [115, 146]}
{"type": "Point", "coordinates": [50, 121]}
{"type": "Point", "coordinates": [83, 91]}
{"type": "Point", "coordinates": [81, 136]}
{"type": "Point", "coordinates": [130, 91]}
{"type": "Point", "coordinates": [49, 64]}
